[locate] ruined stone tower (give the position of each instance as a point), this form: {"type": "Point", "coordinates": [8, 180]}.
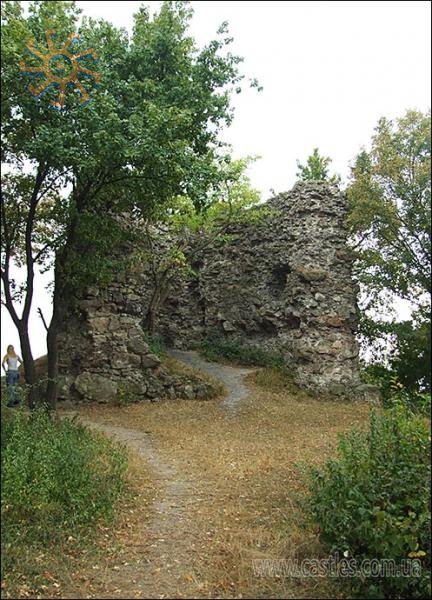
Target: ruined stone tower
{"type": "Point", "coordinates": [282, 284]}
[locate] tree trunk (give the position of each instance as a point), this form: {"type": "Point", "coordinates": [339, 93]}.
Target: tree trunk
{"type": "Point", "coordinates": [153, 310]}
{"type": "Point", "coordinates": [59, 313]}
{"type": "Point", "coordinates": [60, 295]}
{"type": "Point", "coordinates": [150, 321]}
{"type": "Point", "coordinates": [52, 348]}
{"type": "Point", "coordinates": [29, 366]}
{"type": "Point", "coordinates": [160, 294]}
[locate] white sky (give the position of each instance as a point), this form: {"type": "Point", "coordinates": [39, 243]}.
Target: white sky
{"type": "Point", "coordinates": [329, 70]}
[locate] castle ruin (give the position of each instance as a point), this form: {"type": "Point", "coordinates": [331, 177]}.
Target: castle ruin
{"type": "Point", "coordinates": [282, 284]}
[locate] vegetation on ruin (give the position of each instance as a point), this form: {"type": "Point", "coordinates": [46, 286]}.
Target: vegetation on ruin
{"type": "Point", "coordinates": [316, 169]}
{"type": "Point", "coordinates": [235, 350]}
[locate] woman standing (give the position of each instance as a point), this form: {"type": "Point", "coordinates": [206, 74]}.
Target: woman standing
{"type": "Point", "coordinates": [12, 359]}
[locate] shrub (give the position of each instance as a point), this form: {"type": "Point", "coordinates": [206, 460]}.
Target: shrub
{"type": "Point", "coordinates": [372, 501]}
{"type": "Point", "coordinates": [57, 476]}
{"type": "Point", "coordinates": [216, 347]}
{"type": "Point", "coordinates": [394, 392]}
{"type": "Point", "coordinates": [156, 344]}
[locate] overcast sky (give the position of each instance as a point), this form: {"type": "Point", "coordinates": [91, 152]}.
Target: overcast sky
{"type": "Point", "coordinates": [329, 71]}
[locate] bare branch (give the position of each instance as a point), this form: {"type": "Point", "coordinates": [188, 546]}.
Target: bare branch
{"type": "Point", "coordinates": [43, 318]}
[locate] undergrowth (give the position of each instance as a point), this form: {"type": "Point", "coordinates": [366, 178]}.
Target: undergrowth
{"type": "Point", "coordinates": [58, 480]}
{"type": "Point", "coordinates": [216, 347]}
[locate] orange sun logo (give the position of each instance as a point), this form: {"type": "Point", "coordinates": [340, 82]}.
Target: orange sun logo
{"type": "Point", "coordinates": [61, 68]}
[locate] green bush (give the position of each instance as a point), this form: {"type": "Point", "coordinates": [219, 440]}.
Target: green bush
{"type": "Point", "coordinates": [56, 477]}
{"type": "Point", "coordinates": [156, 344]}
{"type": "Point", "coordinates": [216, 347]}
{"type": "Point", "coordinates": [372, 501]}
{"type": "Point", "coordinates": [394, 392]}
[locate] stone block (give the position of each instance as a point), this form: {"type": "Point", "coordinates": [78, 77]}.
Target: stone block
{"type": "Point", "coordinates": [99, 324]}
{"type": "Point", "coordinates": [138, 345]}
{"type": "Point", "coordinates": [95, 388]}
{"type": "Point", "coordinates": [150, 361]}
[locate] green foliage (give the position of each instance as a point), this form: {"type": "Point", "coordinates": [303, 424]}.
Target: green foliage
{"type": "Point", "coordinates": [393, 391]}
{"type": "Point", "coordinates": [412, 354]}
{"type": "Point", "coordinates": [193, 227]}
{"type": "Point", "coordinates": [389, 219]}
{"type": "Point", "coordinates": [149, 133]}
{"type": "Point", "coordinates": [373, 501]}
{"type": "Point", "coordinates": [156, 344]}
{"type": "Point", "coordinates": [216, 347]}
{"type": "Point", "coordinates": [316, 169]}
{"type": "Point", "coordinates": [56, 477]}
{"type": "Point", "coordinates": [229, 198]}
{"type": "Point", "coordinates": [390, 208]}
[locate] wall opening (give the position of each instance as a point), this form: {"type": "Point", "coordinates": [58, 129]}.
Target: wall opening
{"type": "Point", "coordinates": [278, 280]}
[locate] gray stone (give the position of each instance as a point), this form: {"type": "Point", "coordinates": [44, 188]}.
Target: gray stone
{"type": "Point", "coordinates": [281, 284]}
{"type": "Point", "coordinates": [63, 386]}
{"type": "Point", "coordinates": [188, 392]}
{"type": "Point", "coordinates": [95, 388]}
{"type": "Point", "coordinates": [150, 361]}
{"type": "Point", "coordinates": [99, 324]}
{"type": "Point", "coordinates": [228, 326]}
{"type": "Point", "coordinates": [311, 273]}
{"type": "Point", "coordinates": [134, 360]}
{"type": "Point", "coordinates": [137, 345]}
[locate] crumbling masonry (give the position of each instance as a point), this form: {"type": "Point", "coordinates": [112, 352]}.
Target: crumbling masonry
{"type": "Point", "coordinates": [283, 284]}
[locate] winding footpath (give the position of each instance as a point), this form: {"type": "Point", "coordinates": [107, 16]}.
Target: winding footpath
{"type": "Point", "coordinates": [165, 571]}
{"type": "Point", "coordinates": [231, 377]}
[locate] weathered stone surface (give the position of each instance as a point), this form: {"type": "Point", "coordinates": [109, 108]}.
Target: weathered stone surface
{"type": "Point", "coordinates": [99, 323]}
{"type": "Point", "coordinates": [95, 388]}
{"type": "Point", "coordinates": [150, 361]}
{"type": "Point", "coordinates": [64, 385]}
{"type": "Point", "coordinates": [138, 345]}
{"type": "Point", "coordinates": [311, 273]}
{"type": "Point", "coordinates": [281, 284]}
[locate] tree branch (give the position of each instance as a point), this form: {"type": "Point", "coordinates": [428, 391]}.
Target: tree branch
{"type": "Point", "coordinates": [43, 318]}
{"type": "Point", "coordinates": [8, 297]}
{"type": "Point", "coordinates": [40, 177]}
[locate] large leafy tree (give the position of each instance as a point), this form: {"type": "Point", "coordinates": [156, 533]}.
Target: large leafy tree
{"type": "Point", "coordinates": [151, 128]}
{"type": "Point", "coordinates": [390, 210]}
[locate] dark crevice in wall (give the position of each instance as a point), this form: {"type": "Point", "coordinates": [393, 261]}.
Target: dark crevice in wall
{"type": "Point", "coordinates": [278, 280]}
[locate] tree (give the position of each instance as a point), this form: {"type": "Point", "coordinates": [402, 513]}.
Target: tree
{"type": "Point", "coordinates": [316, 169]}
{"type": "Point", "coordinates": [150, 127]}
{"type": "Point", "coordinates": [27, 233]}
{"type": "Point", "coordinates": [390, 209]}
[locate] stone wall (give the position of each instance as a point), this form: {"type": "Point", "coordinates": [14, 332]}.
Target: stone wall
{"type": "Point", "coordinates": [282, 284]}
{"type": "Point", "coordinates": [104, 355]}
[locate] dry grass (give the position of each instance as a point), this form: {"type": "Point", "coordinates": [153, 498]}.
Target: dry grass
{"type": "Point", "coordinates": [176, 367]}
{"type": "Point", "coordinates": [245, 466]}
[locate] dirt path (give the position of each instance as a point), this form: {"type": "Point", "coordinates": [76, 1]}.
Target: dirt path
{"type": "Point", "coordinates": [231, 377]}
{"type": "Point", "coordinates": [174, 542]}
{"type": "Point", "coordinates": [216, 486]}
{"type": "Point", "coordinates": [171, 536]}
